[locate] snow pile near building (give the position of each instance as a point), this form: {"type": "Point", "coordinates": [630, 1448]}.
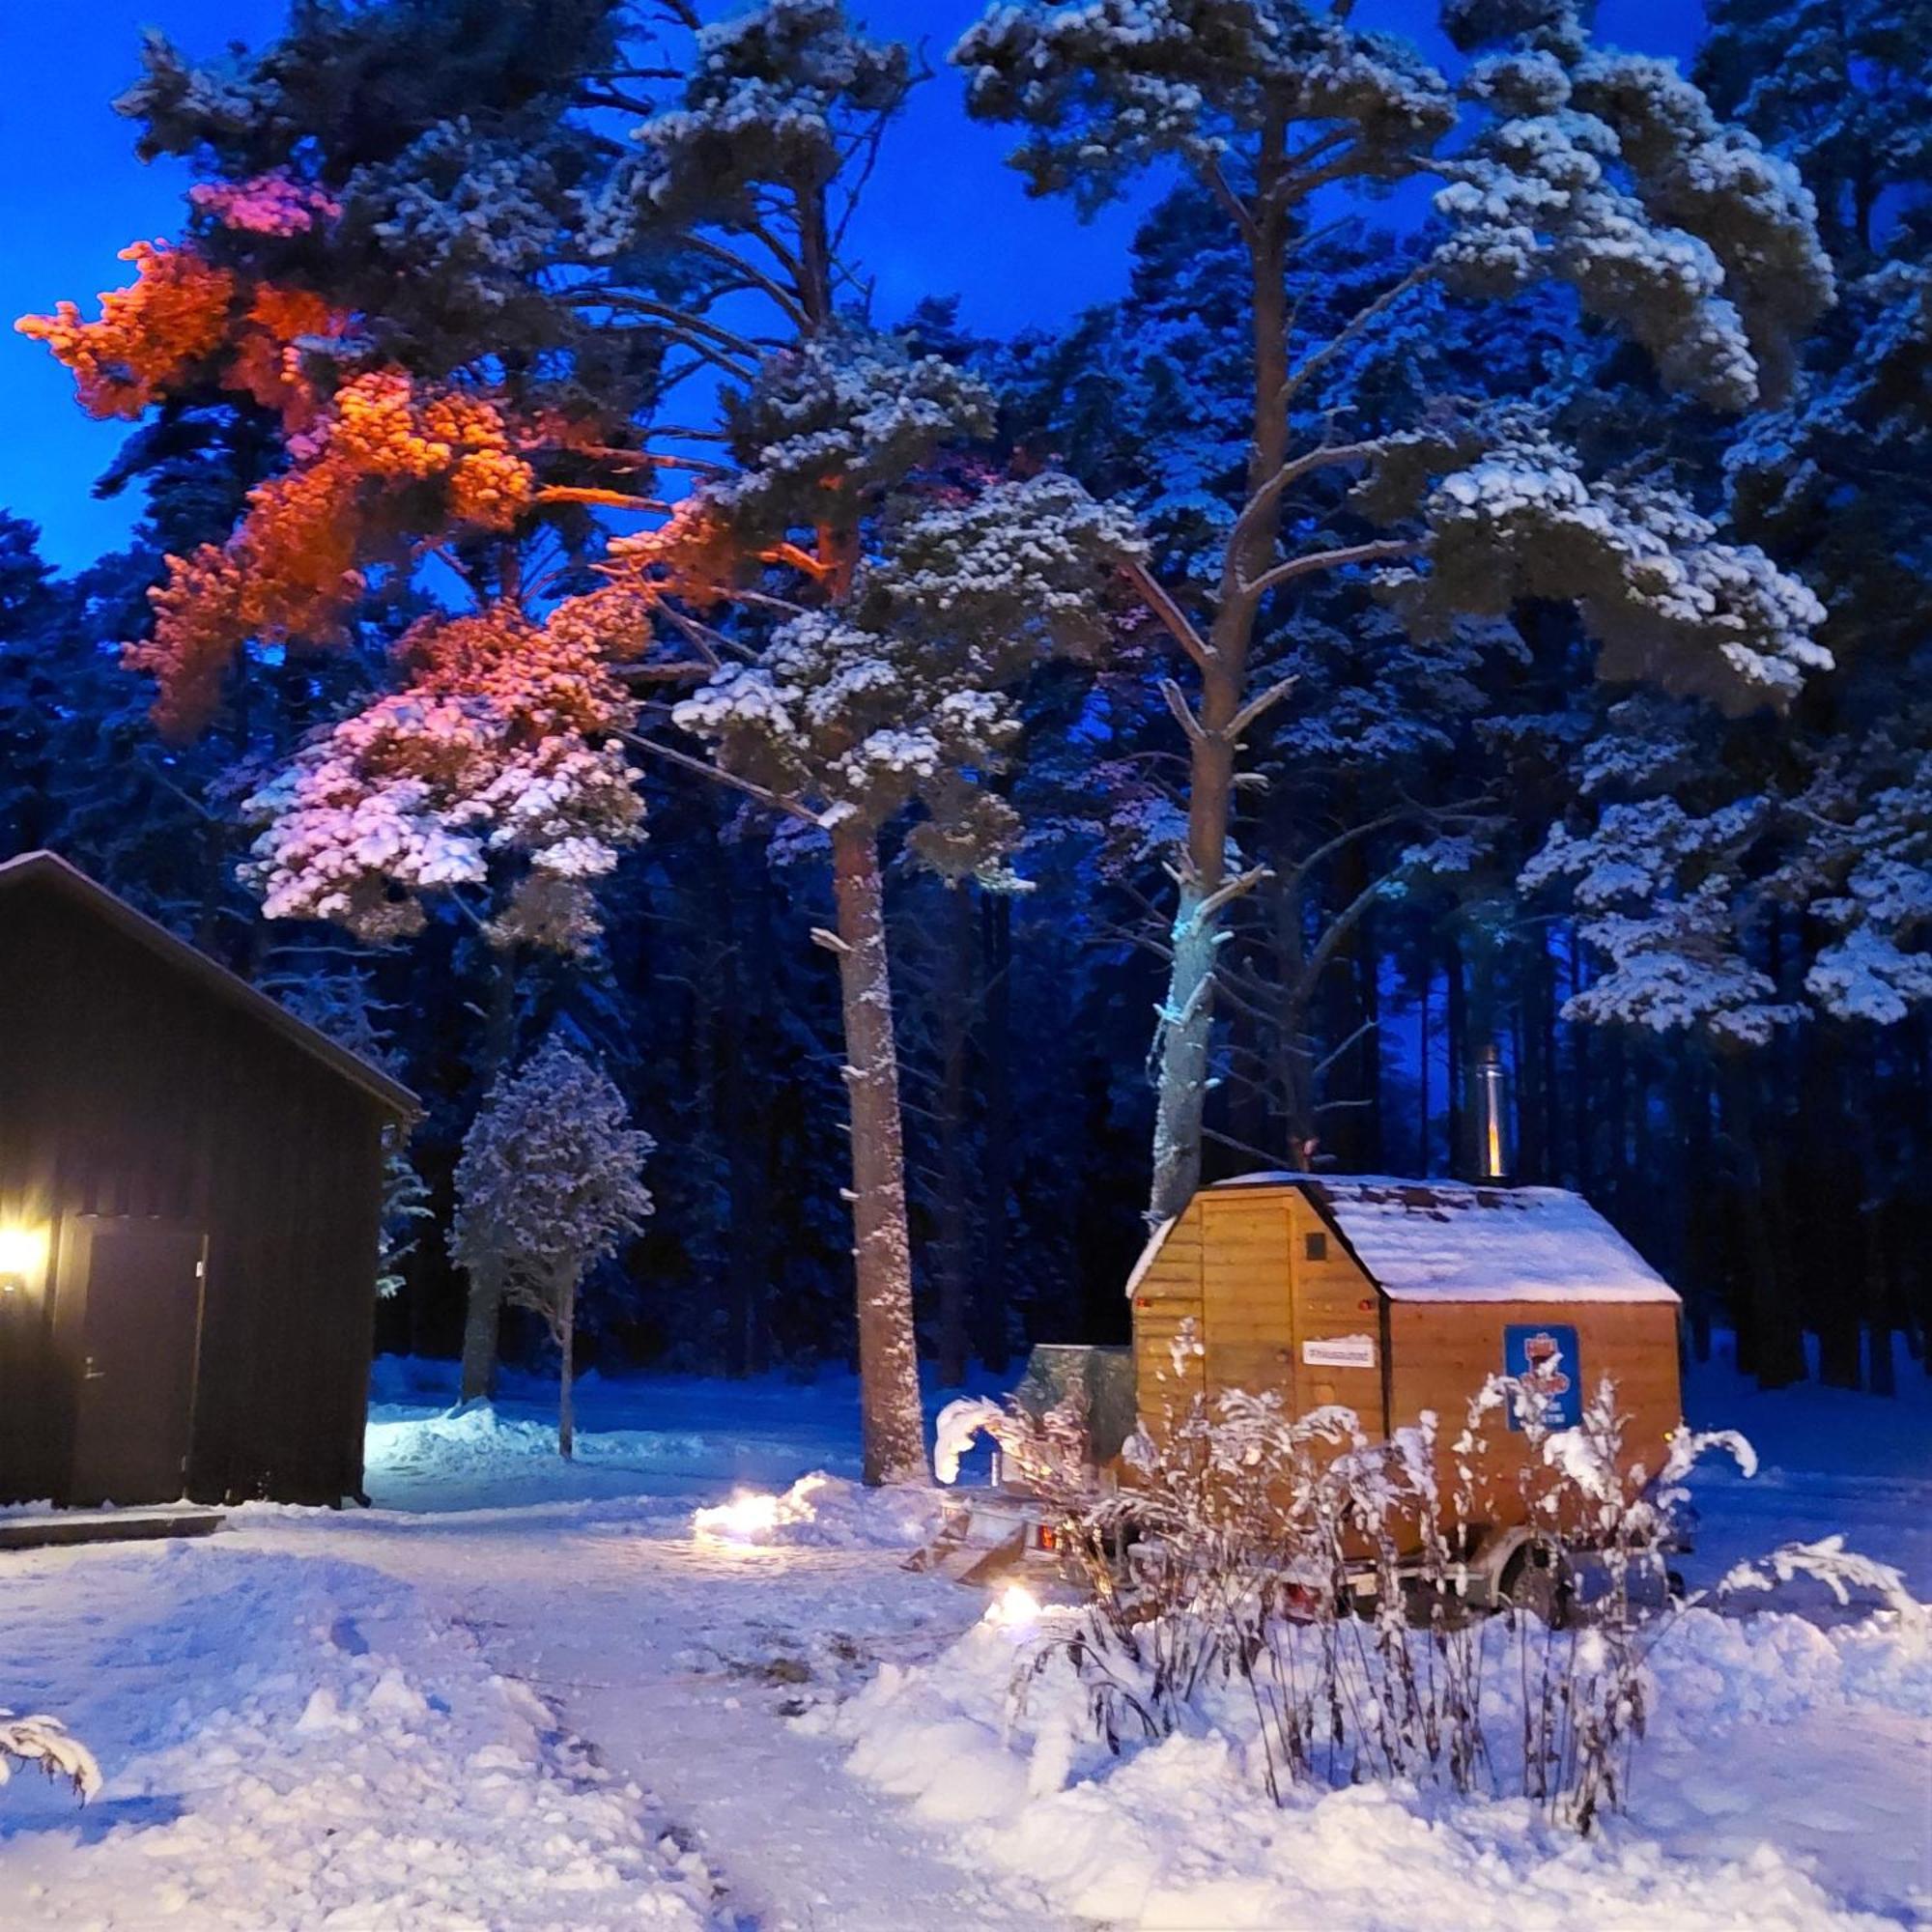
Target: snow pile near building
{"type": "Point", "coordinates": [1781, 1669]}
{"type": "Point", "coordinates": [824, 1512]}
{"type": "Point", "coordinates": [1182, 1832]}
{"type": "Point", "coordinates": [290, 1743]}
{"type": "Point", "coordinates": [475, 1457]}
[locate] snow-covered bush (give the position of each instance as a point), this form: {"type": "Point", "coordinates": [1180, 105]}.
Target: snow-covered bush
{"type": "Point", "coordinates": [46, 1742]}
{"type": "Point", "coordinates": [549, 1185]}
{"type": "Point", "coordinates": [1318, 1572]}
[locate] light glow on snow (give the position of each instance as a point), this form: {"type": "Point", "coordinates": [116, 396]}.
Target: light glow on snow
{"type": "Point", "coordinates": [744, 1519]}
{"type": "Point", "coordinates": [1016, 1608]}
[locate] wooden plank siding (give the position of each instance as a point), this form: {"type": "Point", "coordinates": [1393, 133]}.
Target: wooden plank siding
{"type": "Point", "coordinates": [1167, 1295]}
{"type": "Point", "coordinates": [1246, 1301]}
{"type": "Point", "coordinates": [1264, 1271]}
{"type": "Point", "coordinates": [142, 1093]}
{"type": "Point", "coordinates": [1441, 1354]}
{"type": "Point", "coordinates": [1333, 1298]}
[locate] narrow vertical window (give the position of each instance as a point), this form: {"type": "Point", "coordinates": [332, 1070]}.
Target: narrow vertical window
{"type": "Point", "coordinates": [1314, 1248]}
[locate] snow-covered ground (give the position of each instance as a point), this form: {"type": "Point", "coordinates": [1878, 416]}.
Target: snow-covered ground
{"type": "Point", "coordinates": [517, 1694]}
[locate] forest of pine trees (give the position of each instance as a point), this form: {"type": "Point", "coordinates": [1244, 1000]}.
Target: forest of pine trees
{"type": "Point", "coordinates": [1474, 588]}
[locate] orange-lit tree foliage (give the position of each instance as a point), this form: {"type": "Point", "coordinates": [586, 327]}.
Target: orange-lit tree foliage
{"type": "Point", "coordinates": [382, 458]}
{"type": "Point", "coordinates": [853, 684]}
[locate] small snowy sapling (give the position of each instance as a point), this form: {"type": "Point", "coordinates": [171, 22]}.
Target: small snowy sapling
{"type": "Point", "coordinates": [550, 1184]}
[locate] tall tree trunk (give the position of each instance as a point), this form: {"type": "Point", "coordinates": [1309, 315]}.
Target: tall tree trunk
{"type": "Point", "coordinates": [1698, 1194]}
{"type": "Point", "coordinates": [1455, 1052]}
{"type": "Point", "coordinates": [1292, 1023]}
{"type": "Point", "coordinates": [744, 1238]}
{"type": "Point", "coordinates": [954, 1218]}
{"type": "Point", "coordinates": [754, 1148]}
{"type": "Point", "coordinates": [566, 1341]}
{"type": "Point", "coordinates": [1186, 1023]}
{"type": "Point", "coordinates": [483, 1314]}
{"type": "Point", "coordinates": [1424, 1152]}
{"type": "Point", "coordinates": [893, 1445]}
{"type": "Point", "coordinates": [1835, 1257]}
{"type": "Point", "coordinates": [1350, 1001]}
{"type": "Point", "coordinates": [1581, 1072]}
{"type": "Point", "coordinates": [996, 927]}
{"type": "Point", "coordinates": [1186, 1032]}
{"type": "Point", "coordinates": [1551, 1058]}
{"type": "Point", "coordinates": [1771, 1343]}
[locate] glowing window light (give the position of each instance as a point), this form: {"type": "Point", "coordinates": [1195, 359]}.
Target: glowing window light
{"type": "Point", "coordinates": [23, 1254]}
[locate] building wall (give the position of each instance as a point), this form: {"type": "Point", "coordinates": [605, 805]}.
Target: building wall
{"type": "Point", "coordinates": [1263, 1275]}
{"type": "Point", "coordinates": [142, 1092]}
{"type": "Point", "coordinates": [1166, 1297]}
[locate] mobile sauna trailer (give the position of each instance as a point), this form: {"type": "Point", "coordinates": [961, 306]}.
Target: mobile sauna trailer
{"type": "Point", "coordinates": [190, 1190]}
{"type": "Point", "coordinates": [1394, 1296]}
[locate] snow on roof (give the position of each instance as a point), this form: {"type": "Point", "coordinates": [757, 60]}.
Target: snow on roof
{"type": "Point", "coordinates": [1148, 1253]}
{"type": "Point", "coordinates": [1448, 1239]}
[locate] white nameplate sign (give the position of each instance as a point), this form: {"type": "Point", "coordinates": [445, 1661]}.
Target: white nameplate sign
{"type": "Point", "coordinates": [1341, 1352]}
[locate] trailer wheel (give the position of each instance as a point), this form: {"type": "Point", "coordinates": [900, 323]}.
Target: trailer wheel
{"type": "Point", "coordinates": [1537, 1581]}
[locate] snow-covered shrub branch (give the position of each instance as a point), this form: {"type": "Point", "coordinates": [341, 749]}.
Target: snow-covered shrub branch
{"type": "Point", "coordinates": [46, 1743]}
{"type": "Point", "coordinates": [1841, 1570]}
{"type": "Point", "coordinates": [1321, 1574]}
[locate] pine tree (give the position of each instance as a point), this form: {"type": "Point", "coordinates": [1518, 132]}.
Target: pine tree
{"type": "Point", "coordinates": [1602, 171]}
{"type": "Point", "coordinates": [549, 1185]}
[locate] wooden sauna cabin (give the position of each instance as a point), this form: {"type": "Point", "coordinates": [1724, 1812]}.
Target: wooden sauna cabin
{"type": "Point", "coordinates": [1394, 1296]}
{"type": "Point", "coordinates": [191, 1192]}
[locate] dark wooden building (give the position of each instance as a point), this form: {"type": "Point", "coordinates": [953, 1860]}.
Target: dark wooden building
{"type": "Point", "coordinates": [191, 1193]}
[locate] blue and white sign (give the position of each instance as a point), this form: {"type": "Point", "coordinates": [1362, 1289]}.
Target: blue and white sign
{"type": "Point", "coordinates": [1543, 1355]}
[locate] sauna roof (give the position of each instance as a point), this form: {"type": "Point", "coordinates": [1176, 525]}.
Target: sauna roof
{"type": "Point", "coordinates": [51, 871]}
{"type": "Point", "coordinates": [1423, 1240]}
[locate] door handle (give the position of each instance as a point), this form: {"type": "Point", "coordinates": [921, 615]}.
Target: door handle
{"type": "Point", "coordinates": [89, 1373]}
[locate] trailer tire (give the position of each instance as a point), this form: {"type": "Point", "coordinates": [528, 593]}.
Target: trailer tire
{"type": "Point", "coordinates": [1537, 1581]}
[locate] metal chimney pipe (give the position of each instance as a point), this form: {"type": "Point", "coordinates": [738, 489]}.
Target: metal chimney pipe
{"type": "Point", "coordinates": [1494, 1156]}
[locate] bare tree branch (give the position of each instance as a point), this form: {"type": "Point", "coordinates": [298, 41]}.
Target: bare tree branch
{"type": "Point", "coordinates": [1260, 705]}
{"type": "Point", "coordinates": [1183, 712]}
{"type": "Point", "coordinates": [1355, 326]}
{"type": "Point", "coordinates": [1383, 550]}
{"type": "Point", "coordinates": [777, 801]}
{"type": "Point", "coordinates": [1171, 614]}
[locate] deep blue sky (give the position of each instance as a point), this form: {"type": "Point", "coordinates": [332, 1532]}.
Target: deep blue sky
{"type": "Point", "coordinates": [942, 215]}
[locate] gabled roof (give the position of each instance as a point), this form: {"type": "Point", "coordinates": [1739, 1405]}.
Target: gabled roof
{"type": "Point", "coordinates": [50, 870]}
{"type": "Point", "coordinates": [1452, 1241]}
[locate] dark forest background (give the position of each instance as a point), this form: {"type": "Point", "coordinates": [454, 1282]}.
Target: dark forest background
{"type": "Point", "coordinates": [1757, 1129]}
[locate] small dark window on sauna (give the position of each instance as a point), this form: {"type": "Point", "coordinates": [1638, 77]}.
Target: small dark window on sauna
{"type": "Point", "coordinates": [1314, 1248]}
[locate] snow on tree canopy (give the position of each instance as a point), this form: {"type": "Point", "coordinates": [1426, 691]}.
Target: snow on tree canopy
{"type": "Point", "coordinates": [1423, 1240]}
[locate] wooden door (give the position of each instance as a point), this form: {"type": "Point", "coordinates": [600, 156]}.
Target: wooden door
{"type": "Point", "coordinates": [140, 1335]}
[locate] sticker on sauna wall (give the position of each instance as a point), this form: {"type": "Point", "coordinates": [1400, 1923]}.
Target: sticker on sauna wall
{"type": "Point", "coordinates": [1543, 1354]}
{"type": "Point", "coordinates": [1340, 1351]}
